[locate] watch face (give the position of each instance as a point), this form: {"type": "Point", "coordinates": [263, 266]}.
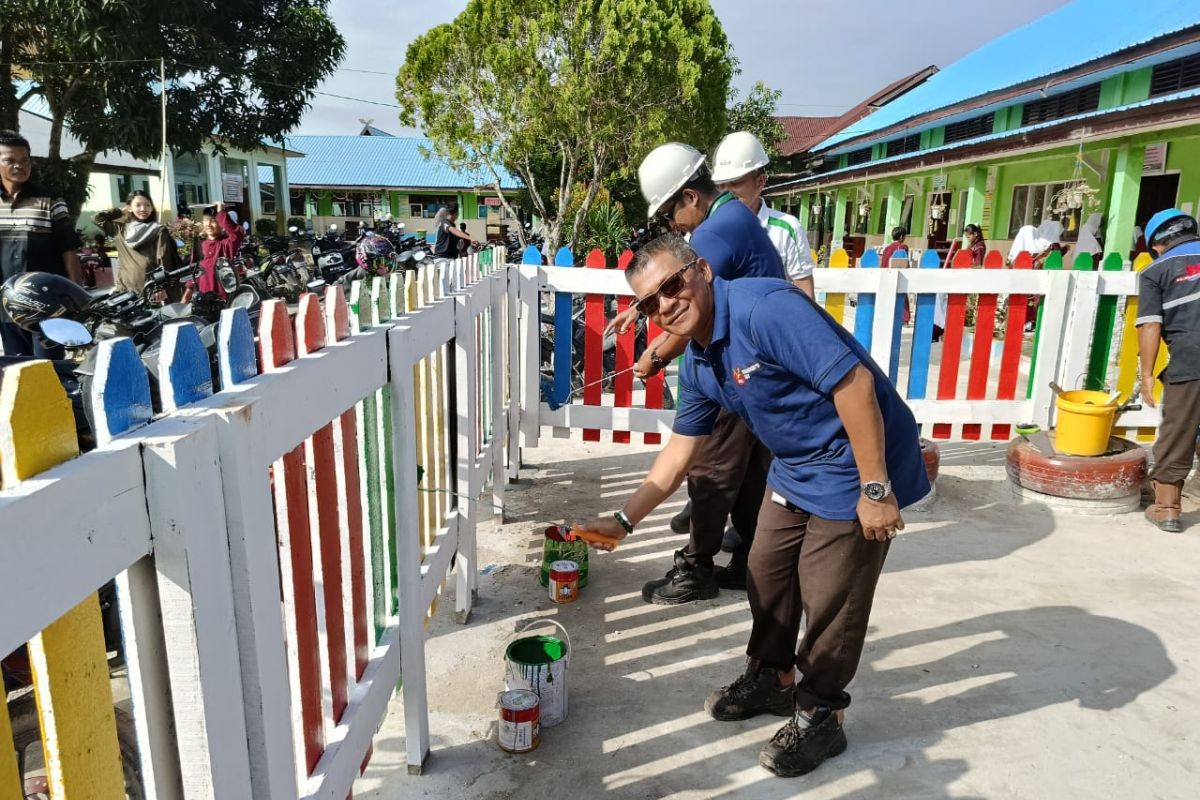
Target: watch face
{"type": "Point", "coordinates": [875, 490]}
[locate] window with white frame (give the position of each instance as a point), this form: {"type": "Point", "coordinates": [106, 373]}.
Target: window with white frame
{"type": "Point", "coordinates": [1034, 202]}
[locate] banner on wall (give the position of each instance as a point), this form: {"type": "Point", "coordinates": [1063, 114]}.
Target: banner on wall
{"type": "Point", "coordinates": [232, 187]}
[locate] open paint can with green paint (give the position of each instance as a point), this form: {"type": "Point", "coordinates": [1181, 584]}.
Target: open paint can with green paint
{"type": "Point", "coordinates": [539, 664]}
{"type": "Point", "coordinates": [555, 547]}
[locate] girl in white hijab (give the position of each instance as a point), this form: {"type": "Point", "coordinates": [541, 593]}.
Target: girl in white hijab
{"type": "Point", "coordinates": [1025, 242]}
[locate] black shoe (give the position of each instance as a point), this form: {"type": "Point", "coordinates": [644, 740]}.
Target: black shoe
{"type": "Point", "coordinates": [685, 583]}
{"type": "Point", "coordinates": [803, 743]}
{"type": "Point", "coordinates": [682, 522]}
{"type": "Point", "coordinates": [731, 542]}
{"type": "Point", "coordinates": [756, 691]}
{"type": "Point", "coordinates": [732, 576]}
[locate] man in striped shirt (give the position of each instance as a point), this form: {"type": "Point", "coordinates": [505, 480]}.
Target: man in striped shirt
{"type": "Point", "coordinates": [36, 234]}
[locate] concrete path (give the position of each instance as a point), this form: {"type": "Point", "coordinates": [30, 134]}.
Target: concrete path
{"type": "Point", "coordinates": [1014, 653]}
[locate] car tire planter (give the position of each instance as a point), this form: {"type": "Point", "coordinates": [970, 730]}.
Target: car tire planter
{"type": "Point", "coordinates": [1102, 484]}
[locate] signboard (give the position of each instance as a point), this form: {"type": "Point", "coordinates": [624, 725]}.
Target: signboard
{"type": "Point", "coordinates": [1155, 162]}
{"type": "Point", "coordinates": [939, 182]}
{"type": "Point", "coordinates": [232, 187]}
{"type": "Point", "coordinates": [492, 201]}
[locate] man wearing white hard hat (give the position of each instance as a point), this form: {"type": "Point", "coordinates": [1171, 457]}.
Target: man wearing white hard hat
{"type": "Point", "coordinates": [731, 472]}
{"type": "Point", "coordinates": [739, 166]}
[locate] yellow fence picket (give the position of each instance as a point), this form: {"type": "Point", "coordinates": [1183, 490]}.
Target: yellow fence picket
{"type": "Point", "coordinates": [1127, 366]}
{"type": "Point", "coordinates": [835, 302]}
{"type": "Point", "coordinates": [70, 665]}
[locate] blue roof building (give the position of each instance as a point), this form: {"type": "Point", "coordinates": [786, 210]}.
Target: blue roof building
{"type": "Point", "coordinates": [1090, 109]}
{"type": "Point", "coordinates": [344, 179]}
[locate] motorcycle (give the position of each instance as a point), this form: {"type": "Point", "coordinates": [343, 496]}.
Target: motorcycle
{"type": "Point", "coordinates": [332, 256]}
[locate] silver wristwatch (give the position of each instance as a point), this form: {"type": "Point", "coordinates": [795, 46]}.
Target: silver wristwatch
{"type": "Point", "coordinates": [877, 490]}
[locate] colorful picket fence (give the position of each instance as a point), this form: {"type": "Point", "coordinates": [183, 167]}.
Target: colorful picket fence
{"type": "Point", "coordinates": [975, 383]}
{"type": "Point", "coordinates": [338, 468]}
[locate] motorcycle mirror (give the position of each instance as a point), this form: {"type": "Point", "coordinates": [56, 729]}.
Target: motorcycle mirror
{"type": "Point", "coordinates": [227, 277]}
{"type": "Point", "coordinates": [65, 332]}
{"type": "Point", "coordinates": [419, 255]}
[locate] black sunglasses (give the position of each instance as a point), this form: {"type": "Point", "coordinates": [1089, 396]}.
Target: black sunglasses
{"type": "Point", "coordinates": [671, 287]}
{"type": "Point", "coordinates": [666, 212]}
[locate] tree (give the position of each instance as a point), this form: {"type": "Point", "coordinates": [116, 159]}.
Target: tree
{"type": "Point", "coordinates": [584, 87]}
{"type": "Point", "coordinates": [243, 70]}
{"type": "Point", "coordinates": [756, 114]}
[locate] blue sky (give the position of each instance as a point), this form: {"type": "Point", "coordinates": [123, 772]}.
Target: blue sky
{"type": "Point", "coordinates": [825, 55]}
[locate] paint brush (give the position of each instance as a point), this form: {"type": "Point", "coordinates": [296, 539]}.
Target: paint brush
{"type": "Point", "coordinates": [598, 540]}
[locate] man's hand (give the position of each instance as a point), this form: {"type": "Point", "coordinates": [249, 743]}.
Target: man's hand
{"type": "Point", "coordinates": [605, 525]}
{"type": "Point", "coordinates": [1148, 391]}
{"type": "Point", "coordinates": [880, 518]}
{"type": "Point", "coordinates": [645, 367]}
{"type": "Point", "coordinates": [622, 322]}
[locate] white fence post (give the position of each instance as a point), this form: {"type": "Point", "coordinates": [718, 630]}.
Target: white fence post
{"type": "Point", "coordinates": [531, 361]}
{"type": "Point", "coordinates": [408, 550]}
{"type": "Point", "coordinates": [466, 402]}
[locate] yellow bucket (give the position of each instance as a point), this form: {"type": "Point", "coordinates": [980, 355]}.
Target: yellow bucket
{"type": "Point", "coordinates": [1085, 421]}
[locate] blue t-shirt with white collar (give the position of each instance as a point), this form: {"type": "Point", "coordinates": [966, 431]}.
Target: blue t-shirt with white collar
{"type": "Point", "coordinates": [733, 242]}
{"type": "Point", "coordinates": [774, 360]}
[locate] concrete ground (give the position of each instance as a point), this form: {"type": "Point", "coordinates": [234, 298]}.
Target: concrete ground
{"type": "Point", "coordinates": [1013, 653]}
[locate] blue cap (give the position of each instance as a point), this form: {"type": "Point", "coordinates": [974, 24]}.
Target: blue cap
{"type": "Point", "coordinates": [1160, 219]}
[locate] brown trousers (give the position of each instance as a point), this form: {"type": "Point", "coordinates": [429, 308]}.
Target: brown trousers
{"type": "Point", "coordinates": [1175, 447]}
{"type": "Point", "coordinates": [726, 479]}
{"type": "Point", "coordinates": [828, 570]}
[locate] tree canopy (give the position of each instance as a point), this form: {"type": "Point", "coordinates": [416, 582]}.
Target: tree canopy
{"type": "Point", "coordinates": [570, 91]}
{"type": "Point", "coordinates": [241, 69]}
{"type": "Point", "coordinates": [756, 113]}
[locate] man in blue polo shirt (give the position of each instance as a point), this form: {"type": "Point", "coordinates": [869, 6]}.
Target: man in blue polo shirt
{"type": "Point", "coordinates": [847, 459]}
{"type": "Point", "coordinates": [728, 477]}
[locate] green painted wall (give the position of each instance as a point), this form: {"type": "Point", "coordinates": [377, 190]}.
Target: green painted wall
{"type": "Point", "coordinates": [468, 205]}
{"type": "Point", "coordinates": [324, 203]}
{"type": "Point", "coordinates": [1183, 155]}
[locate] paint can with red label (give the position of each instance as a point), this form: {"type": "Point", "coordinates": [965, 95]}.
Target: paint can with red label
{"type": "Point", "coordinates": [520, 721]}
{"type": "Point", "coordinates": [564, 581]}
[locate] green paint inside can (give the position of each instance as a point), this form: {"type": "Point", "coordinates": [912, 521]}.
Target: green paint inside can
{"type": "Point", "coordinates": [536, 650]}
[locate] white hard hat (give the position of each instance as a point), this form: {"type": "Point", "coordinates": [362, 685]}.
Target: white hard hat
{"type": "Point", "coordinates": [666, 170]}
{"type": "Point", "coordinates": [738, 154]}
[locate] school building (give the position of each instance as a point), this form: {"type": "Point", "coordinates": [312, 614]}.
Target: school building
{"type": "Point", "coordinates": [1093, 108]}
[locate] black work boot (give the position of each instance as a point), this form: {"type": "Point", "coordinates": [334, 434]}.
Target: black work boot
{"type": "Point", "coordinates": [682, 522]}
{"type": "Point", "coordinates": [756, 691]}
{"type": "Point", "coordinates": [685, 583]}
{"type": "Point", "coordinates": [731, 541]}
{"type": "Point", "coordinates": [732, 576]}
{"type": "Point", "coordinates": [804, 742]}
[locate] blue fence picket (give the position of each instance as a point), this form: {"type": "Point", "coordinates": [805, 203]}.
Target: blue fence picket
{"type": "Point", "coordinates": [120, 392]}
{"type": "Point", "coordinates": [864, 312]}
{"type": "Point", "coordinates": [184, 373]}
{"type": "Point", "coordinates": [922, 346]}
{"type": "Point", "coordinates": [563, 330]}
{"type": "Point", "coordinates": [236, 355]}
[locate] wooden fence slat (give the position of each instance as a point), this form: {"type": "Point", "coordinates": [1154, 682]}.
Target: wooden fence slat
{"type": "Point", "coordinates": [297, 560]}
{"type": "Point", "coordinates": [382, 315]}
{"type": "Point", "coordinates": [1052, 263]}
{"type": "Point", "coordinates": [564, 333]}
{"type": "Point", "coordinates": [235, 348]}
{"type": "Point", "coordinates": [337, 324]}
{"type": "Point", "coordinates": [922, 343]}
{"type": "Point", "coordinates": [120, 401]}
{"type": "Point", "coordinates": [835, 302]}
{"type": "Point", "coordinates": [593, 344]}
{"type": "Point", "coordinates": [326, 504]}
{"type": "Point", "coordinates": [1014, 339]}
{"type": "Point", "coordinates": [1128, 365]}
{"type": "Point", "coordinates": [654, 385]}
{"type": "Point", "coordinates": [623, 382]}
{"type": "Point", "coordinates": [1106, 319]}
{"type": "Point", "coordinates": [981, 353]}
{"type": "Point", "coordinates": [864, 312]}
{"type": "Point", "coordinates": [68, 658]}
{"type": "Point", "coordinates": [424, 423]}
{"type": "Point", "coordinates": [956, 311]}
{"type": "Point", "coordinates": [370, 464]}
{"type": "Point", "coordinates": [899, 261]}
{"type": "Point", "coordinates": [184, 374]}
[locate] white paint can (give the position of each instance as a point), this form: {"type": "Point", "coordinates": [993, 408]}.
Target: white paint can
{"type": "Point", "coordinates": [539, 664]}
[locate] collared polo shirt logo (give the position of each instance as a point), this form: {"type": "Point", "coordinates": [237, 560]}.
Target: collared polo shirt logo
{"type": "Point", "coordinates": [742, 374]}
{"type": "Point", "coordinates": [1190, 273]}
